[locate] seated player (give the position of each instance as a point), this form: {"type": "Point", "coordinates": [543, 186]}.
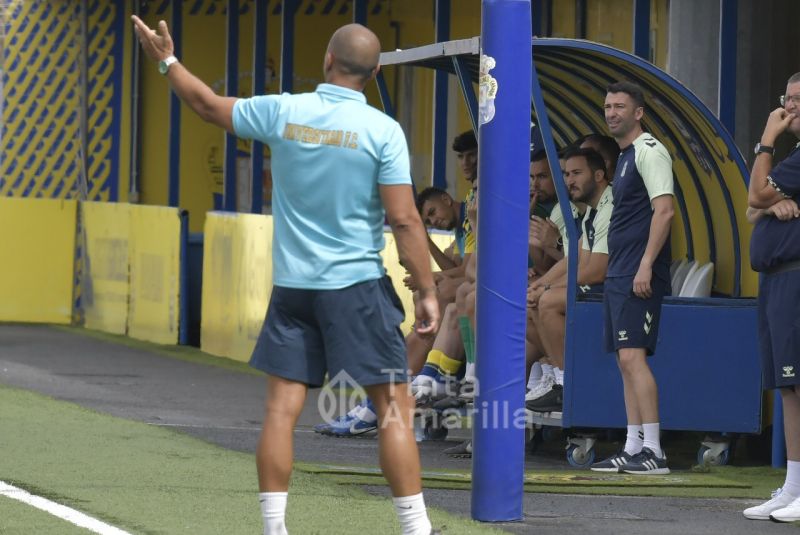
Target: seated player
{"type": "Point", "coordinates": [588, 183]}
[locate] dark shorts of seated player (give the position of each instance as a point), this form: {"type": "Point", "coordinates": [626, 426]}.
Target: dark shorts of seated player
{"type": "Point", "coordinates": [779, 328]}
{"type": "Point", "coordinates": [632, 322]}
{"type": "Point", "coordinates": [356, 330]}
{"type": "Point", "coordinates": [591, 289]}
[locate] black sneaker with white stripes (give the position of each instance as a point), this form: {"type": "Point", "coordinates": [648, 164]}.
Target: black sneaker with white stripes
{"type": "Point", "coordinates": [645, 462]}
{"type": "Point", "coordinates": [613, 463]}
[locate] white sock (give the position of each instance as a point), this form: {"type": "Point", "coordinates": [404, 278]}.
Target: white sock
{"type": "Point", "coordinates": [634, 440]}
{"type": "Point", "coordinates": [469, 372]}
{"type": "Point", "coordinates": [273, 511]}
{"type": "Point", "coordinates": [559, 373]}
{"type": "Point", "coordinates": [792, 484]}
{"type": "Point", "coordinates": [536, 375]}
{"type": "Point", "coordinates": [412, 515]}
{"type": "Point", "coordinates": [652, 438]}
{"type": "Point", "coordinates": [365, 414]}
{"type": "Point", "coordinates": [547, 369]}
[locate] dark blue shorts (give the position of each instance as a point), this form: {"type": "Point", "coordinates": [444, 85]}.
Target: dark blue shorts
{"type": "Point", "coordinates": [779, 328]}
{"type": "Point", "coordinates": [632, 322]}
{"type": "Point", "coordinates": [354, 331]}
{"type": "Point", "coordinates": [591, 289]}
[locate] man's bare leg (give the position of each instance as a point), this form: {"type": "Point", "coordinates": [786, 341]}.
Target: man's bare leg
{"type": "Point", "coordinates": [552, 320]}
{"type": "Point", "coordinates": [284, 402]}
{"type": "Point", "coordinates": [398, 454]}
{"type": "Point", "coordinates": [274, 453]}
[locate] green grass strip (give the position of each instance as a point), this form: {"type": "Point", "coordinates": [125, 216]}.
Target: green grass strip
{"type": "Point", "coordinates": [20, 518]}
{"type": "Point", "coordinates": [713, 482]}
{"type": "Point", "coordinates": [151, 480]}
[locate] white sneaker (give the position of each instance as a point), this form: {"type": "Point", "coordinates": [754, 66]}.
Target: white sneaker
{"type": "Point", "coordinates": [427, 389]}
{"type": "Point", "coordinates": [779, 501]}
{"type": "Point", "coordinates": [790, 513]}
{"type": "Point", "coordinates": [542, 387]}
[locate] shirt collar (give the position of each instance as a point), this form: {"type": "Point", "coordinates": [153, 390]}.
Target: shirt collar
{"type": "Point", "coordinates": [606, 197]}
{"type": "Point", "coordinates": [341, 92]}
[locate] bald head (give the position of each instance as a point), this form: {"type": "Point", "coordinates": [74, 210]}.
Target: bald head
{"type": "Point", "coordinates": [353, 52]}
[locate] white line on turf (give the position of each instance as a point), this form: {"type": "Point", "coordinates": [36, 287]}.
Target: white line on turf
{"type": "Point", "coordinates": [61, 511]}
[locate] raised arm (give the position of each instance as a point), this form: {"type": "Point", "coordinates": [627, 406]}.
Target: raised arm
{"type": "Point", "coordinates": [762, 192]}
{"type": "Point", "coordinates": [191, 90]}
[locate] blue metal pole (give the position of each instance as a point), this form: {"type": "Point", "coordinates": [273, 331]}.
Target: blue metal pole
{"type": "Point", "coordinates": [503, 168]}
{"type": "Point", "coordinates": [287, 45]}
{"type": "Point", "coordinates": [259, 81]}
{"type": "Point", "coordinates": [581, 13]}
{"type": "Point", "coordinates": [440, 81]}
{"type": "Point", "coordinates": [360, 12]}
{"type": "Point", "coordinates": [232, 90]}
{"type": "Point", "coordinates": [727, 64]}
{"type": "Point", "coordinates": [383, 92]}
{"type": "Point", "coordinates": [183, 284]}
{"type": "Point", "coordinates": [778, 436]}
{"type": "Point", "coordinates": [537, 25]}
{"type": "Point", "coordinates": [174, 191]}
{"type": "Point", "coordinates": [572, 230]}
{"type": "Point", "coordinates": [462, 71]}
{"type": "Point", "coordinates": [641, 29]}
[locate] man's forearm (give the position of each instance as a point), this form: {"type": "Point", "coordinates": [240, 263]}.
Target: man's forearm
{"type": "Point", "coordinates": [412, 249]}
{"type": "Point", "coordinates": [442, 260]}
{"type": "Point", "coordinates": [455, 272]}
{"type": "Point", "coordinates": [659, 230]}
{"type": "Point", "coordinates": [200, 97]}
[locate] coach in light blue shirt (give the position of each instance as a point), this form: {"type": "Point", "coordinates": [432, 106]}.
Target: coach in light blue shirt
{"type": "Point", "coordinates": [337, 165]}
{"type": "Point", "coordinates": [330, 151]}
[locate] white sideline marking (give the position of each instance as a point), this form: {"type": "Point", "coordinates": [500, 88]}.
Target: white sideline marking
{"type": "Point", "coordinates": [61, 511]}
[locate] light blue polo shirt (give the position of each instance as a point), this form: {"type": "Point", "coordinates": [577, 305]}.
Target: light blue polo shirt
{"type": "Point", "coordinates": [330, 151]}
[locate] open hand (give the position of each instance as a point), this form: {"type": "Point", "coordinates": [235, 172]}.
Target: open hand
{"type": "Point", "coordinates": [157, 45]}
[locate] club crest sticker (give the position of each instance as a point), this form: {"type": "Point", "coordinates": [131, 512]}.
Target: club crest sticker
{"type": "Point", "coordinates": [488, 89]}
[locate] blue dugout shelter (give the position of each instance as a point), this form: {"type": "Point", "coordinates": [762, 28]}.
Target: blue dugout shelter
{"type": "Point", "coordinates": [707, 363]}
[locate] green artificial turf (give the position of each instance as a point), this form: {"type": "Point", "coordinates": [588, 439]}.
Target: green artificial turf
{"type": "Point", "coordinates": [714, 482]}
{"type": "Point", "coordinates": [150, 480]}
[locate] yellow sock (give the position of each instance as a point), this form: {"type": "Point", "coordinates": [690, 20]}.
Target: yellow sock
{"type": "Point", "coordinates": [434, 358]}
{"type": "Point", "coordinates": [449, 366]}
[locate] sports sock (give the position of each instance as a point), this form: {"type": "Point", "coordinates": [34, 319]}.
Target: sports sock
{"type": "Point", "coordinates": [273, 511]}
{"type": "Point", "coordinates": [536, 375]}
{"type": "Point", "coordinates": [792, 484]}
{"type": "Point", "coordinates": [634, 440]}
{"type": "Point", "coordinates": [547, 369]}
{"type": "Point", "coordinates": [366, 412]}
{"type": "Point", "coordinates": [412, 515]}
{"type": "Point", "coordinates": [559, 373]}
{"type": "Point", "coordinates": [431, 367]}
{"type": "Point", "coordinates": [467, 337]}
{"type": "Point", "coordinates": [449, 366]}
{"type": "Point", "coordinates": [652, 438]}
{"type": "Point", "coordinates": [469, 371]}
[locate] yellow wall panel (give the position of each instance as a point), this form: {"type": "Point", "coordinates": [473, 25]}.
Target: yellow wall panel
{"type": "Point", "coordinates": [398, 273]}
{"type": "Point", "coordinates": [155, 248]}
{"type": "Point", "coordinates": [237, 282]}
{"type": "Point", "coordinates": [105, 284]}
{"type": "Point", "coordinates": [37, 244]}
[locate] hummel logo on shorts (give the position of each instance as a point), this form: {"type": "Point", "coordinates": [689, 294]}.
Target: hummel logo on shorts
{"type": "Point", "coordinates": [623, 335]}
{"type": "Point", "coordinates": [788, 371]}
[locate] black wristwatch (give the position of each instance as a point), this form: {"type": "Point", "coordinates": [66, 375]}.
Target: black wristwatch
{"type": "Point", "coordinates": [764, 148]}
